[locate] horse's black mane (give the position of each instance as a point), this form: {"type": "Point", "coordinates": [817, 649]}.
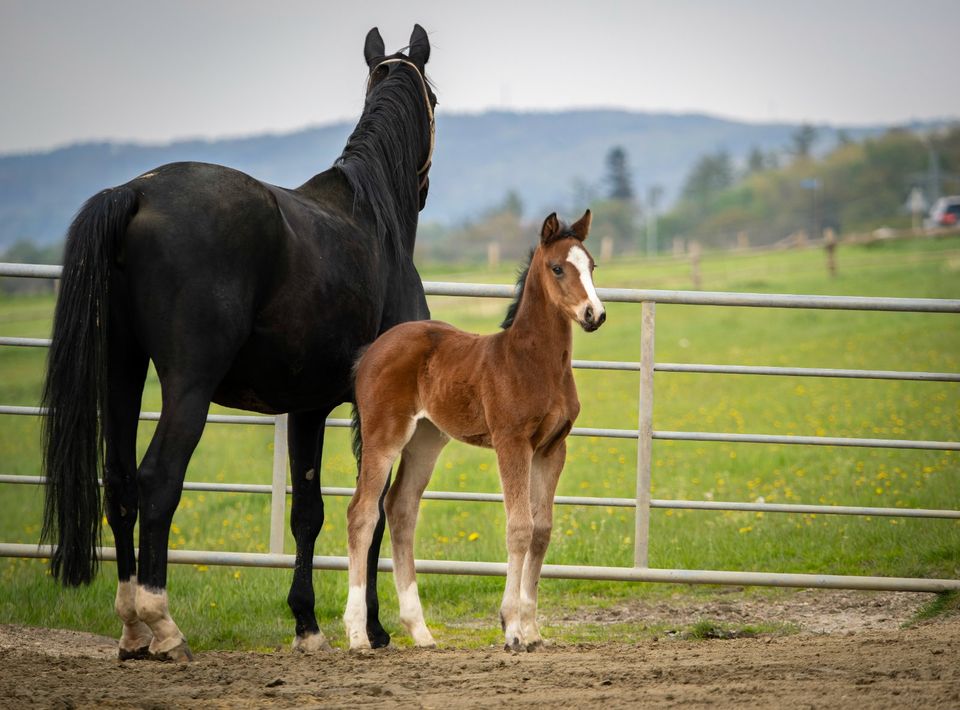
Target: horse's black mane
{"type": "Point", "coordinates": [383, 154]}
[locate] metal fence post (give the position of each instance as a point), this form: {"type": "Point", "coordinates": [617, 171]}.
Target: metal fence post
{"type": "Point", "coordinates": [644, 436]}
{"type": "Point", "coordinates": [278, 489]}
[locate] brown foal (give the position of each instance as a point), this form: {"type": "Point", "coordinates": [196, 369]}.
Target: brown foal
{"type": "Point", "coordinates": [423, 382]}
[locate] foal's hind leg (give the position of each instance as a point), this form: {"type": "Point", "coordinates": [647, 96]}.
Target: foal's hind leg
{"type": "Point", "coordinates": [382, 443]}
{"type": "Point", "coordinates": [402, 505]}
{"type": "Point", "coordinates": [128, 367]}
{"type": "Point", "coordinates": [545, 472]}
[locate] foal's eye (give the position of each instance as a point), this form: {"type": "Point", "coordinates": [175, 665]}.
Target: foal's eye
{"type": "Point", "coordinates": [558, 270]}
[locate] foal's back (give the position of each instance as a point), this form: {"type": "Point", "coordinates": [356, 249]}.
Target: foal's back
{"type": "Point", "coordinates": [400, 376]}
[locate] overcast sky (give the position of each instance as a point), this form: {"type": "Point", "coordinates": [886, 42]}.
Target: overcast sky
{"type": "Point", "coordinates": [160, 70]}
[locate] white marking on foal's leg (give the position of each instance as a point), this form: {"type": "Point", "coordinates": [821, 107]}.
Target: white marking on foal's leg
{"type": "Point", "coordinates": [152, 609]}
{"type": "Point", "coordinates": [355, 617]}
{"type": "Point", "coordinates": [578, 257]}
{"type": "Point", "coordinates": [528, 619]}
{"type": "Point", "coordinates": [411, 614]}
{"type": "Point", "coordinates": [136, 636]}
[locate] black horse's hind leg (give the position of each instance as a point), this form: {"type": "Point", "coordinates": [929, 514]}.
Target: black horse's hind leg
{"type": "Point", "coordinates": [305, 440]}
{"type": "Point", "coordinates": [375, 631]}
{"type": "Point", "coordinates": [160, 482]}
{"type": "Point", "coordinates": [126, 374]}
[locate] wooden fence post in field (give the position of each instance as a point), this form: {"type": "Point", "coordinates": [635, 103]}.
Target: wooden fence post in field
{"type": "Point", "coordinates": [830, 246]}
{"type": "Point", "coordinates": [695, 264]}
{"type": "Point", "coordinates": [606, 250]}
{"type": "Point", "coordinates": [743, 241]}
{"type": "Point", "coordinates": [493, 255]}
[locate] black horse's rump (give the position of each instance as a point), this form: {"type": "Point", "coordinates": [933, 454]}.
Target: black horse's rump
{"type": "Point", "coordinates": [239, 292]}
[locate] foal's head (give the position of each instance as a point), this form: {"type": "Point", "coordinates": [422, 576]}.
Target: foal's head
{"type": "Point", "coordinates": [566, 271]}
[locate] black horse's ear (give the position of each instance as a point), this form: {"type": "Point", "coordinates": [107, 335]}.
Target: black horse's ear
{"type": "Point", "coordinates": [550, 229]}
{"type": "Point", "coordinates": [581, 227]}
{"type": "Point", "coordinates": [419, 45]}
{"type": "Point", "coordinates": [373, 46]}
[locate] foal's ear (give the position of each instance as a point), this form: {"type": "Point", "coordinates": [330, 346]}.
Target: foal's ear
{"type": "Point", "coordinates": [419, 45]}
{"type": "Point", "coordinates": [581, 227]}
{"type": "Point", "coordinates": [373, 46]}
{"type": "Point", "coordinates": [550, 229]}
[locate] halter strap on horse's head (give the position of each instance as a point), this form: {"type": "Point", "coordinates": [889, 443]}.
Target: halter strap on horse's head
{"type": "Point", "coordinates": [426, 97]}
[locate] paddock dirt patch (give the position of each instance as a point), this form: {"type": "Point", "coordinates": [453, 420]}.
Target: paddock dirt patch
{"type": "Point", "coordinates": [851, 650]}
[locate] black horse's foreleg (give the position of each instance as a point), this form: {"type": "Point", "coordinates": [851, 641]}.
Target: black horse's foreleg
{"type": "Point", "coordinates": [160, 481]}
{"type": "Point", "coordinates": [305, 441]}
{"type": "Point", "coordinates": [375, 632]}
{"type": "Point", "coordinates": [128, 369]}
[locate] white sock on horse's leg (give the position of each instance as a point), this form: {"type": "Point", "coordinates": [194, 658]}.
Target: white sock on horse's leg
{"type": "Point", "coordinates": [153, 610]}
{"type": "Point", "coordinates": [355, 616]}
{"type": "Point", "coordinates": [136, 636]}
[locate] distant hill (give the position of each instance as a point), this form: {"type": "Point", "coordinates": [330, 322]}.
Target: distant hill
{"type": "Point", "coordinates": [478, 159]}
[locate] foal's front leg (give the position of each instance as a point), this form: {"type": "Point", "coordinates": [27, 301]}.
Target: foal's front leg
{"type": "Point", "coordinates": [513, 458]}
{"type": "Point", "coordinates": [544, 475]}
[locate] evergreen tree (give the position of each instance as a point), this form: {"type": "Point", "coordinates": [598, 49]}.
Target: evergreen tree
{"type": "Point", "coordinates": [618, 175]}
{"type": "Point", "coordinates": [802, 140]}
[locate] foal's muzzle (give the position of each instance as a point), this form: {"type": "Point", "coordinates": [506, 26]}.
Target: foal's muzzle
{"type": "Point", "coordinates": [592, 320]}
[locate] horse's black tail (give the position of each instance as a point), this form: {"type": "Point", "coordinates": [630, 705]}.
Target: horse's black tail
{"type": "Point", "coordinates": [75, 392]}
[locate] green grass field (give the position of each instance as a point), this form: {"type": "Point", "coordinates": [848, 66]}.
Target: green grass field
{"type": "Point", "coordinates": [245, 608]}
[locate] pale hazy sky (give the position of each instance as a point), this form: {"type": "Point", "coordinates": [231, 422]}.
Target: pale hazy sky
{"type": "Point", "coordinates": [154, 71]}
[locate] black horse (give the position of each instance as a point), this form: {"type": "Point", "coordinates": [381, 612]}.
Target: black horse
{"type": "Point", "coordinates": [241, 293]}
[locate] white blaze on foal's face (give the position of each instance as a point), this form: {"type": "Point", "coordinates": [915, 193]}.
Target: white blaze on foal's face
{"type": "Point", "coordinates": [581, 262]}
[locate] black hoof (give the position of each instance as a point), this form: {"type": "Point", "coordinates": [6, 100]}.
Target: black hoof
{"type": "Point", "coordinates": [378, 636]}
{"type": "Point", "coordinates": [137, 654]}
{"type": "Point", "coordinates": [534, 646]}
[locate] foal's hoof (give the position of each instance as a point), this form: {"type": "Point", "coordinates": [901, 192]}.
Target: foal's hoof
{"type": "Point", "coordinates": [378, 637]}
{"type": "Point", "coordinates": [515, 645]}
{"type": "Point", "coordinates": [309, 643]}
{"type": "Point", "coordinates": [178, 654]}
{"type": "Point", "coordinates": [137, 654]}
{"type": "Point", "coordinates": [534, 645]}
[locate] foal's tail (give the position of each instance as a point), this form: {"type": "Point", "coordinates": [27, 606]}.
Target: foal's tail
{"type": "Point", "coordinates": [75, 392]}
{"type": "Point", "coordinates": [357, 438]}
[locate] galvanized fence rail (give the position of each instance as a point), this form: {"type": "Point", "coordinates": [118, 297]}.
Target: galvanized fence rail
{"type": "Point", "coordinates": [644, 434]}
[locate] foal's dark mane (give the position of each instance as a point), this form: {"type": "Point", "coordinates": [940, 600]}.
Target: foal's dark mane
{"type": "Point", "coordinates": [384, 152]}
{"type": "Point", "coordinates": [522, 272]}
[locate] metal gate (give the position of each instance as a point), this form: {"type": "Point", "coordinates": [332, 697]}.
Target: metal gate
{"type": "Point", "coordinates": [644, 433]}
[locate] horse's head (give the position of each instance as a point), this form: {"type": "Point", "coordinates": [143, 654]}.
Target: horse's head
{"type": "Point", "coordinates": [382, 66]}
{"type": "Point", "coordinates": [567, 271]}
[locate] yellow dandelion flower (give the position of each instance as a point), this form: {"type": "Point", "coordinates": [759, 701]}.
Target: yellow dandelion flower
{"type": "Point", "coordinates": [473, 536]}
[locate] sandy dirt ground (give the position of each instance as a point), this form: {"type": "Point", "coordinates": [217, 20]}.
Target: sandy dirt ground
{"type": "Point", "coordinates": [851, 650]}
